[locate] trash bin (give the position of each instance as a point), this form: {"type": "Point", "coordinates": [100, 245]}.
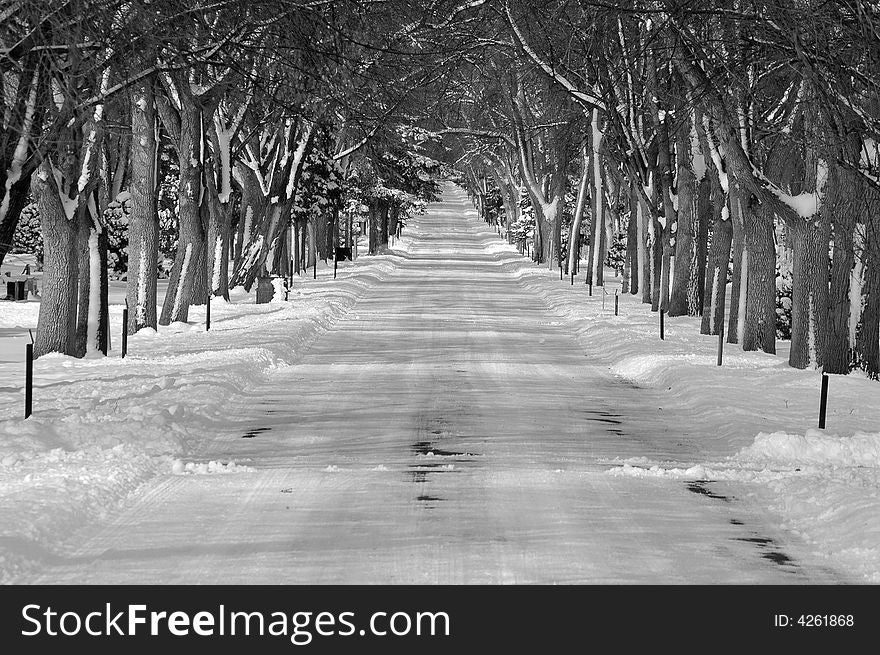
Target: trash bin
{"type": "Point", "coordinates": [16, 289]}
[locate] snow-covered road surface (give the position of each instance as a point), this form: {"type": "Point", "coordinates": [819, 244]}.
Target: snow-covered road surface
{"type": "Point", "coordinates": [448, 429]}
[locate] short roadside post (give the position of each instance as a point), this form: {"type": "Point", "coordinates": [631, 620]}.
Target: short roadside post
{"type": "Point", "coordinates": [208, 313]}
{"type": "Point", "coordinates": [29, 378]}
{"type": "Point", "coordinates": [662, 313]}
{"type": "Point", "coordinates": [823, 400]}
{"type": "Point", "coordinates": [125, 330]}
{"type": "Point", "coordinates": [616, 302]}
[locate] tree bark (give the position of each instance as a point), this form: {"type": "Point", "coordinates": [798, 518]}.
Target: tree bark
{"type": "Point", "coordinates": [143, 226]}
{"type": "Point", "coordinates": [719, 259]}
{"type": "Point", "coordinates": [58, 306]}
{"type": "Point", "coordinates": [684, 297]}
{"type": "Point", "coordinates": [759, 331]}
{"type": "Point", "coordinates": [596, 271]}
{"type": "Point", "coordinates": [632, 248]}
{"type": "Point", "coordinates": [845, 200]}
{"type": "Point", "coordinates": [809, 292]}
{"type": "Point", "coordinates": [738, 254]}
{"type": "Point", "coordinates": [190, 255]}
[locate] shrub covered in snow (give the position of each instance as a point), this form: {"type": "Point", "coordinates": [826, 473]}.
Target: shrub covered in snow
{"type": "Point", "coordinates": [28, 238]}
{"type": "Point", "coordinates": [615, 254]}
{"type": "Point", "coordinates": [783, 303]}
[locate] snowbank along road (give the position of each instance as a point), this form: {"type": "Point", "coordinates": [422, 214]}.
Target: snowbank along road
{"type": "Point", "coordinates": [448, 429]}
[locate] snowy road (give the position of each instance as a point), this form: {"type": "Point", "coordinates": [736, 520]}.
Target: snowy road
{"type": "Point", "coordinates": [449, 429]}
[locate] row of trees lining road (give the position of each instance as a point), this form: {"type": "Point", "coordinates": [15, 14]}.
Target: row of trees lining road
{"type": "Point", "coordinates": [728, 144]}
{"type": "Point", "coordinates": [278, 119]}
{"type": "Point", "coordinates": [725, 142]}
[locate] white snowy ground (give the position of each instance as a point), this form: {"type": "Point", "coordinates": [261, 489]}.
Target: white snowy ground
{"type": "Point", "coordinates": [103, 426]}
{"type": "Point", "coordinates": [103, 429]}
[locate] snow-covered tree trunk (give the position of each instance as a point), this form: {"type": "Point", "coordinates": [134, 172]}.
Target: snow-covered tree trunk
{"type": "Point", "coordinates": [645, 247]}
{"type": "Point", "coordinates": [218, 187]}
{"type": "Point", "coordinates": [143, 226]}
{"type": "Point", "coordinates": [191, 234]}
{"type": "Point", "coordinates": [739, 254]}
{"type": "Point", "coordinates": [632, 247]}
{"type": "Point", "coordinates": [254, 205]}
{"type": "Point", "coordinates": [580, 204]}
{"type": "Point", "coordinates": [715, 294]}
{"type": "Point", "coordinates": [217, 246]}
{"type": "Point", "coordinates": [598, 245]}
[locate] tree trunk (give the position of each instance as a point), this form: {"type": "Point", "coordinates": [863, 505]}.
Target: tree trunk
{"type": "Point", "coordinates": [217, 248]}
{"type": "Point", "coordinates": [265, 290]}
{"type": "Point", "coordinates": [643, 254]}
{"type": "Point", "coordinates": [867, 345]}
{"type": "Point", "coordinates": [596, 272]}
{"type": "Point", "coordinates": [383, 225]}
{"type": "Point", "coordinates": [83, 237]}
{"type": "Point", "coordinates": [684, 299]}
{"type": "Point", "coordinates": [58, 305]}
{"type": "Point", "coordinates": [143, 225]}
{"type": "Point", "coordinates": [657, 267]}
{"type": "Point", "coordinates": [373, 242]}
{"type": "Point", "coordinates": [219, 223]}
{"type": "Point", "coordinates": [845, 197]}
{"type": "Point", "coordinates": [704, 214]}
{"type": "Point", "coordinates": [719, 259]}
{"type": "Point", "coordinates": [632, 249]}
{"type": "Point", "coordinates": [191, 234]}
{"type": "Point", "coordinates": [759, 330]}
{"type": "Point", "coordinates": [809, 292]}
{"type": "Point", "coordinates": [739, 255]}
{"type": "Point", "coordinates": [248, 243]}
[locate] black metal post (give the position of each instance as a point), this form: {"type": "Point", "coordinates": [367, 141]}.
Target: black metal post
{"type": "Point", "coordinates": [823, 400]}
{"type": "Point", "coordinates": [124, 332]}
{"type": "Point", "coordinates": [590, 284]}
{"type": "Point", "coordinates": [28, 379]}
{"type": "Point", "coordinates": [208, 313]}
{"type": "Point", "coordinates": [721, 343]}
{"type": "Point", "coordinates": [616, 303]}
{"type": "Point", "coordinates": [662, 314]}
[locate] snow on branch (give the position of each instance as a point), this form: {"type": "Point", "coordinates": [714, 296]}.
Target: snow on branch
{"type": "Point", "coordinates": [298, 154]}
{"type": "Point", "coordinates": [805, 205]}
{"type": "Point", "coordinates": [471, 4]}
{"type": "Point", "coordinates": [586, 100]}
